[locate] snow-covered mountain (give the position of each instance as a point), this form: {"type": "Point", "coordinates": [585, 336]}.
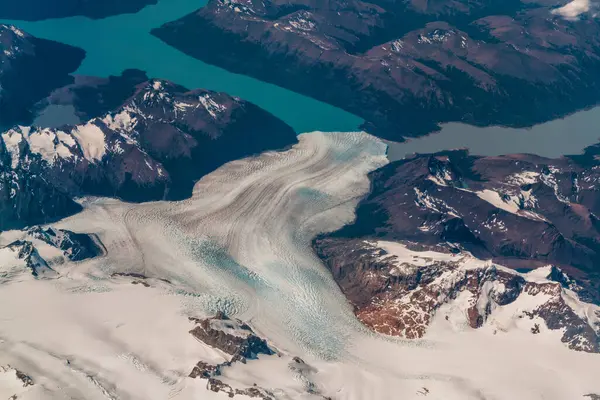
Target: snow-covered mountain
{"type": "Point", "coordinates": [40, 250]}
{"type": "Point", "coordinates": [523, 211]}
{"type": "Point", "coordinates": [402, 292]}
{"type": "Point", "coordinates": [240, 344]}
{"type": "Point", "coordinates": [450, 231]}
{"type": "Point", "coordinates": [153, 146]}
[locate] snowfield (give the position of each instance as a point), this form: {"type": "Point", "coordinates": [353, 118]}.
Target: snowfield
{"type": "Point", "coordinates": [241, 245]}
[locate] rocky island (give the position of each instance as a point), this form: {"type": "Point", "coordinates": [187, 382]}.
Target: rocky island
{"type": "Point", "coordinates": [407, 66]}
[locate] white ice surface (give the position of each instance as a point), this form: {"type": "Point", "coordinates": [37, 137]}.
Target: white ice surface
{"type": "Point", "coordinates": [241, 245]}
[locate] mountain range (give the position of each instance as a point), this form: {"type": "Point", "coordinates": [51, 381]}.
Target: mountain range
{"type": "Point", "coordinates": [407, 66]}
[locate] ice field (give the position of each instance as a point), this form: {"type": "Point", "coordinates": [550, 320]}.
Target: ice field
{"type": "Point", "coordinates": [241, 245]}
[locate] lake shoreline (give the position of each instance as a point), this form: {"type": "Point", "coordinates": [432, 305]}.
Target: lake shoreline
{"type": "Point", "coordinates": [560, 137]}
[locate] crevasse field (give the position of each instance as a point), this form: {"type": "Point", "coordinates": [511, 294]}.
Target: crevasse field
{"type": "Point", "coordinates": [241, 245]}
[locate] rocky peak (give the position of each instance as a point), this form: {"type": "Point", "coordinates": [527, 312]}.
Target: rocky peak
{"type": "Point", "coordinates": [231, 336]}
{"type": "Point", "coordinates": [24, 254]}
{"type": "Point", "coordinates": [75, 246]}
{"type": "Point", "coordinates": [236, 339]}
{"type": "Point", "coordinates": [42, 250]}
{"type": "Point", "coordinates": [443, 172]}
{"type": "Point", "coordinates": [240, 344]}
{"type": "Point", "coordinates": [159, 101]}
{"type": "Point", "coordinates": [403, 292]}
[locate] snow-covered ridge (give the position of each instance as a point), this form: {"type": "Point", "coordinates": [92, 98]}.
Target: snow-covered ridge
{"type": "Point", "coordinates": [86, 141]}
{"type": "Point", "coordinates": [40, 252]}
{"type": "Point", "coordinates": [146, 148]}
{"type": "Point", "coordinates": [109, 135]}
{"type": "Point", "coordinates": [459, 291]}
{"type": "Point", "coordinates": [13, 383]}
{"type": "Point", "coordinates": [98, 137]}
{"type": "Point", "coordinates": [510, 197]}
{"type": "Point", "coordinates": [518, 207]}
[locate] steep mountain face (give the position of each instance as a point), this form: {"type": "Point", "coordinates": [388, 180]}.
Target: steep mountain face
{"type": "Point", "coordinates": [406, 66]}
{"type": "Point", "coordinates": [154, 146]}
{"type": "Point", "coordinates": [240, 344]}
{"type": "Point", "coordinates": [75, 246]}
{"type": "Point", "coordinates": [32, 10]}
{"type": "Point", "coordinates": [39, 251]}
{"type": "Point", "coordinates": [520, 211]}
{"type": "Point", "coordinates": [30, 69]}
{"type": "Point", "coordinates": [231, 336]}
{"type": "Point", "coordinates": [402, 292]}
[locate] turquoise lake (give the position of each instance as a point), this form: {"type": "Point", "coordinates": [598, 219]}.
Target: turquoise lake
{"type": "Point", "coordinates": [124, 41]}
{"type": "Point", "coordinates": [120, 42]}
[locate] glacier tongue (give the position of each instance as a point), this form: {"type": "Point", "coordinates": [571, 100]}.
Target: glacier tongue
{"type": "Point", "coordinates": [241, 244]}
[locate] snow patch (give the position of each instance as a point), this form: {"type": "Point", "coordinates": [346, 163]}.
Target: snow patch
{"type": "Point", "coordinates": [92, 141]}
{"type": "Point", "coordinates": [497, 201]}
{"type": "Point", "coordinates": [12, 140]}
{"type": "Point", "coordinates": [123, 121]}
{"type": "Point", "coordinates": [397, 46]}
{"type": "Point", "coordinates": [549, 179]}
{"type": "Point", "coordinates": [303, 22]}
{"type": "Point", "coordinates": [425, 200]}
{"type": "Point", "coordinates": [406, 259]}
{"type": "Point", "coordinates": [16, 30]}
{"type": "Point", "coordinates": [211, 105]}
{"type": "Point", "coordinates": [574, 9]}
{"type": "Point", "coordinates": [523, 178]}
{"type": "Point", "coordinates": [436, 36]}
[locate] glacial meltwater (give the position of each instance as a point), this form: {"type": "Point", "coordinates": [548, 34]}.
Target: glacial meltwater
{"type": "Point", "coordinates": [569, 135]}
